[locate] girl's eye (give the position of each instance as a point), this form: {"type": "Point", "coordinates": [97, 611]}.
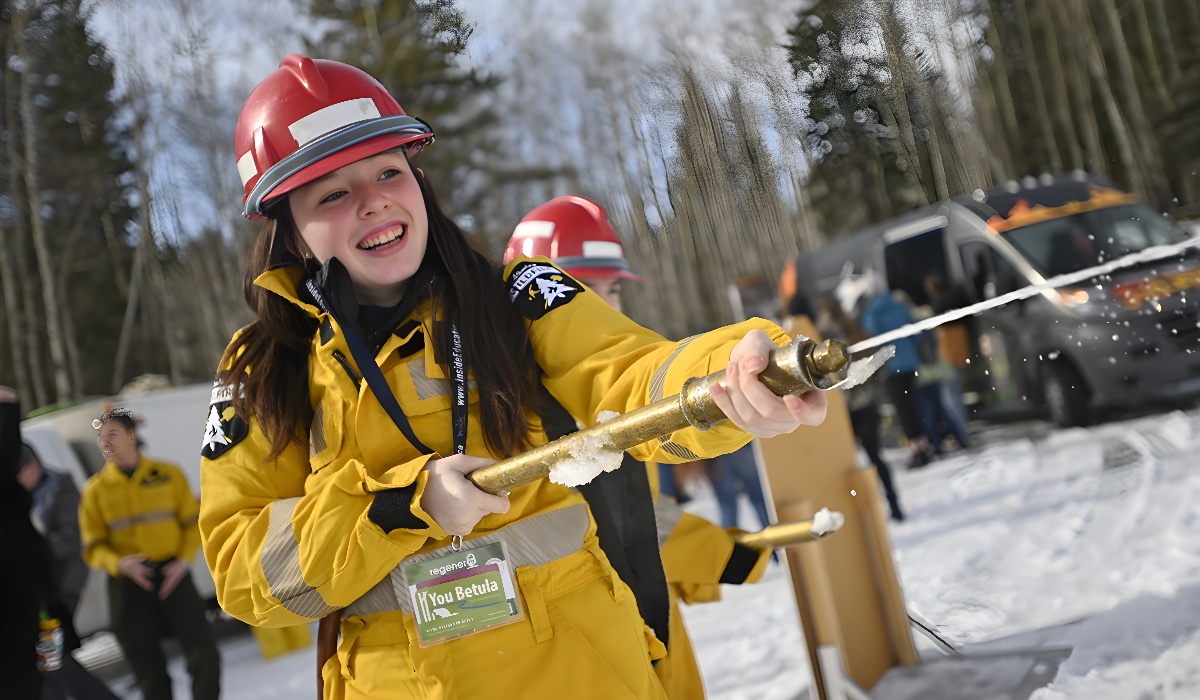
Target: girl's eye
{"type": "Point", "coordinates": [389, 173]}
{"type": "Point", "coordinates": [334, 196]}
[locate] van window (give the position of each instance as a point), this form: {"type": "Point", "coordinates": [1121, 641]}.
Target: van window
{"type": "Point", "coordinates": [910, 260]}
{"type": "Point", "coordinates": [1071, 243]}
{"type": "Point", "coordinates": [988, 272]}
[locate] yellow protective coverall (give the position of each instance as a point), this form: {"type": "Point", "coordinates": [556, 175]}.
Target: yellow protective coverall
{"type": "Point", "coordinates": [152, 512]}
{"type": "Point", "coordinates": [698, 556]}
{"type": "Point", "coordinates": [292, 540]}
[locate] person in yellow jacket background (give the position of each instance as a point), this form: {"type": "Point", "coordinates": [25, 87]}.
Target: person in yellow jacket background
{"type": "Point", "coordinates": [387, 360]}
{"type": "Point", "coordinates": [137, 522]}
{"type": "Point", "coordinates": [696, 555]}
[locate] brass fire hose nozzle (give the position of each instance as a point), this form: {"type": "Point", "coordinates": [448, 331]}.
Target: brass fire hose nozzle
{"type": "Point", "coordinates": [824, 524]}
{"type": "Point", "coordinates": [800, 366]}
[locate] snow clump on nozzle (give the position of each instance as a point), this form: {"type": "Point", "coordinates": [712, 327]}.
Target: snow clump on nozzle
{"type": "Point", "coordinates": [594, 454]}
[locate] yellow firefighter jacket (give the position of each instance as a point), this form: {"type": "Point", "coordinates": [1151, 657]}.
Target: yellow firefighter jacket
{"type": "Point", "coordinates": [292, 540]}
{"type": "Point", "coordinates": [153, 513]}
{"type": "Point", "coordinates": [698, 556]}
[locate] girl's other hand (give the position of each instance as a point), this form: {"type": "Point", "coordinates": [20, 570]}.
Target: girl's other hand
{"type": "Point", "coordinates": [455, 503]}
{"type": "Point", "coordinates": [751, 405]}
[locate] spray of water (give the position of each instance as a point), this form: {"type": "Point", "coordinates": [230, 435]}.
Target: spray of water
{"type": "Point", "coordinates": [1143, 256]}
{"type": "Point", "coordinates": [861, 370]}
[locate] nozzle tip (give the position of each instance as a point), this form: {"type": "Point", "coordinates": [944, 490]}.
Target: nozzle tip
{"type": "Point", "coordinates": [830, 356]}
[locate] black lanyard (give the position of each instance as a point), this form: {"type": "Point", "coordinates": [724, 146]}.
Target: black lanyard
{"type": "Point", "coordinates": [383, 393]}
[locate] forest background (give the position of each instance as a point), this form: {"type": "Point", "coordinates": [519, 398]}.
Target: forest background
{"type": "Point", "coordinates": [723, 136]}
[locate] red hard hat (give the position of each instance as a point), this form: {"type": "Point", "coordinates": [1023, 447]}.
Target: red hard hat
{"type": "Point", "coordinates": [575, 234]}
{"type": "Point", "coordinates": [311, 117]}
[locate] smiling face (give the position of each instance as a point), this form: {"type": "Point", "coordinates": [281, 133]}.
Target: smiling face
{"type": "Point", "coordinates": [117, 444]}
{"type": "Point", "coordinates": [371, 216]}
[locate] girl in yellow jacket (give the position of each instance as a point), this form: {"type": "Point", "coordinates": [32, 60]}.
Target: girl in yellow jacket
{"type": "Point", "coordinates": [387, 361]}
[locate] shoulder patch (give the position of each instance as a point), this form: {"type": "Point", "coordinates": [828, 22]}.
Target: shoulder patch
{"type": "Point", "coordinates": [224, 427]}
{"type": "Point", "coordinates": [536, 288]}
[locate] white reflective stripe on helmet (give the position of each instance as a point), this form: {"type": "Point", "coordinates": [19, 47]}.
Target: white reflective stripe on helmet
{"type": "Point", "coordinates": [246, 167]}
{"type": "Point", "coordinates": [534, 229]}
{"type": "Point", "coordinates": [528, 231]}
{"type": "Point", "coordinates": [332, 118]}
{"type": "Point", "coordinates": [602, 249]}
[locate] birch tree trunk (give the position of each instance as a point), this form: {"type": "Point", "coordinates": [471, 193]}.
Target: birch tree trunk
{"type": "Point", "coordinates": [935, 164]}
{"type": "Point", "coordinates": [1003, 94]}
{"type": "Point", "coordinates": [1033, 72]}
{"type": "Point", "coordinates": [24, 314]}
{"type": "Point", "coordinates": [898, 91]}
{"type": "Point", "coordinates": [1142, 131]}
{"type": "Point", "coordinates": [1058, 82]}
{"type": "Point", "coordinates": [1096, 68]}
{"type": "Point", "coordinates": [114, 252]}
{"type": "Point", "coordinates": [131, 309]}
{"type": "Point", "coordinates": [1154, 69]}
{"type": "Point", "coordinates": [74, 363]}
{"type": "Point", "coordinates": [12, 314]}
{"type": "Point", "coordinates": [1075, 60]}
{"type": "Point", "coordinates": [1162, 35]}
{"type": "Point", "coordinates": [991, 123]}
{"type": "Point", "coordinates": [137, 273]}
{"type": "Point", "coordinates": [50, 298]}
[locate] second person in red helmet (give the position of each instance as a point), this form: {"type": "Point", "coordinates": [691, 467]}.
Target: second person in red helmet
{"type": "Point", "coordinates": [386, 361]}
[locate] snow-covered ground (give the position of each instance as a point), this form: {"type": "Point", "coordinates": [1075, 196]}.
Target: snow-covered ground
{"type": "Point", "coordinates": [1088, 538]}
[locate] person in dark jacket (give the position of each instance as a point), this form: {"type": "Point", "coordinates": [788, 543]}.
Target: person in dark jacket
{"type": "Point", "coordinates": [20, 556]}
{"type": "Point", "coordinates": [882, 314]}
{"type": "Point", "coordinates": [33, 591]}
{"type": "Point", "coordinates": [862, 401]}
{"type": "Point", "coordinates": [56, 515]}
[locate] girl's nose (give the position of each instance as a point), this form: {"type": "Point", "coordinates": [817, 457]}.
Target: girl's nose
{"type": "Point", "coordinates": [373, 201]}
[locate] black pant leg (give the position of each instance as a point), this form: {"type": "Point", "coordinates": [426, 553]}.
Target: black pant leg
{"type": "Point", "coordinates": [865, 423]}
{"type": "Point", "coordinates": [184, 612]}
{"type": "Point", "coordinates": [135, 620]}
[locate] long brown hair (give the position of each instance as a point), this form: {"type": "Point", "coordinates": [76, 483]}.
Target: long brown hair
{"type": "Point", "coordinates": [268, 355]}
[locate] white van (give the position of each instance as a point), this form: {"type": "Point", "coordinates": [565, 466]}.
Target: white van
{"type": "Point", "coordinates": [170, 425]}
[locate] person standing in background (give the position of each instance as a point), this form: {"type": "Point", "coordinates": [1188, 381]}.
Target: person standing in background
{"type": "Point", "coordinates": [56, 515]}
{"type": "Point", "coordinates": [884, 312]}
{"type": "Point", "coordinates": [734, 474]}
{"type": "Point", "coordinates": [21, 559]}
{"type": "Point", "coordinates": [862, 401]}
{"type": "Point", "coordinates": [953, 351]}
{"type": "Point", "coordinates": [137, 520]}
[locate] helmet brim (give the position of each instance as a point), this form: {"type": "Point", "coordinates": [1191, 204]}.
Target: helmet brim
{"type": "Point", "coordinates": [325, 156]}
{"type": "Point", "coordinates": [602, 272]}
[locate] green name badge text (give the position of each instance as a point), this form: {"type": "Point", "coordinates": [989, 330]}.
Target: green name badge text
{"type": "Point", "coordinates": [462, 593]}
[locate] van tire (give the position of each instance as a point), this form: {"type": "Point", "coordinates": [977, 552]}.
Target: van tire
{"type": "Point", "coordinates": [1067, 398]}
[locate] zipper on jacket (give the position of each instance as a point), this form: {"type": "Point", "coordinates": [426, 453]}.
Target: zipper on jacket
{"type": "Point", "coordinates": [337, 355]}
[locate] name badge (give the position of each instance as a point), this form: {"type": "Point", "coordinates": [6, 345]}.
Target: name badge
{"type": "Point", "coordinates": [462, 593]}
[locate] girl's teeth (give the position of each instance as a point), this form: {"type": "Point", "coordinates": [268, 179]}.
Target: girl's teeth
{"type": "Point", "coordinates": [387, 238]}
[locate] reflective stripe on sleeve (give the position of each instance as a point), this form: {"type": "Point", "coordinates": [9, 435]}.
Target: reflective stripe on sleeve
{"type": "Point", "coordinates": [677, 450]}
{"type": "Point", "coordinates": [280, 560]}
{"type": "Point", "coordinates": [660, 375]}
{"type": "Point", "coordinates": [316, 432]}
